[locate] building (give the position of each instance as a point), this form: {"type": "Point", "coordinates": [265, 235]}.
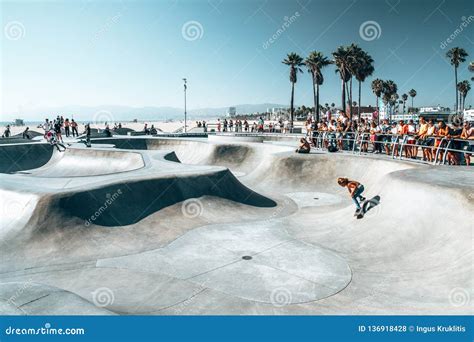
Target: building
{"type": "Point", "coordinates": [468, 115]}
{"type": "Point", "coordinates": [231, 111]}
{"type": "Point", "coordinates": [278, 112]}
{"type": "Point", "coordinates": [366, 112]}
{"type": "Point", "coordinates": [436, 113]}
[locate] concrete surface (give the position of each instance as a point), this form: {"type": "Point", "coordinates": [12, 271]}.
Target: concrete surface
{"type": "Point", "coordinates": [220, 226]}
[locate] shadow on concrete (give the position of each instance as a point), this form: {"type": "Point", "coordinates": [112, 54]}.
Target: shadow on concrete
{"type": "Point", "coordinates": [129, 202]}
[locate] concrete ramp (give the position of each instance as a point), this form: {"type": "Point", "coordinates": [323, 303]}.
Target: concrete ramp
{"type": "Point", "coordinates": [281, 238]}
{"type": "Point", "coordinates": [80, 162]}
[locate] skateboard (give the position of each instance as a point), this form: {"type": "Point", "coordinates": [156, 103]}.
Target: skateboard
{"type": "Point", "coordinates": [360, 213]}
{"type": "Point", "coordinates": [366, 205]}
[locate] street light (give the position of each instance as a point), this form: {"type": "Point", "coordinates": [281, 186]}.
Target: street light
{"type": "Point", "coordinates": [185, 88]}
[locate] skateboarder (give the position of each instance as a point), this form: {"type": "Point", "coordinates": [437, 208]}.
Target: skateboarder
{"type": "Point", "coordinates": [54, 141]}
{"type": "Point", "coordinates": [355, 190]}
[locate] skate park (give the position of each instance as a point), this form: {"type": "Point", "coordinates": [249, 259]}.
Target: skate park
{"type": "Point", "coordinates": [229, 224]}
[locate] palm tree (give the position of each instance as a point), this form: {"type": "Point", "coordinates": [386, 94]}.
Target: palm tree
{"type": "Point", "coordinates": [295, 62]}
{"type": "Point", "coordinates": [364, 69]}
{"type": "Point", "coordinates": [377, 89]}
{"type": "Point", "coordinates": [471, 69]}
{"type": "Point", "coordinates": [393, 100]}
{"type": "Point", "coordinates": [463, 87]}
{"type": "Point", "coordinates": [355, 62]}
{"type": "Point", "coordinates": [457, 56]}
{"type": "Point", "coordinates": [390, 95]}
{"type": "Point", "coordinates": [412, 94]}
{"type": "Point", "coordinates": [404, 98]}
{"type": "Point", "coordinates": [342, 59]}
{"type": "Point", "coordinates": [315, 62]}
{"type": "Point", "coordinates": [400, 102]}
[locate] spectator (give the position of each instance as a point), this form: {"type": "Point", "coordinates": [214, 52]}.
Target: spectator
{"type": "Point", "coordinates": [304, 146]}
{"type": "Point", "coordinates": [440, 142]}
{"type": "Point", "coordinates": [6, 133]}
{"type": "Point", "coordinates": [26, 133]}
{"type": "Point", "coordinates": [66, 127]}
{"type": "Point", "coordinates": [75, 133]}
{"type": "Point", "coordinates": [468, 134]}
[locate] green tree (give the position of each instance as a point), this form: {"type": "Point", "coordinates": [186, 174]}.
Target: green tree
{"type": "Point", "coordinates": [364, 69]}
{"type": "Point", "coordinates": [412, 94]}
{"type": "Point", "coordinates": [456, 56]}
{"type": "Point", "coordinates": [342, 59]}
{"type": "Point", "coordinates": [295, 62]}
{"type": "Point", "coordinates": [377, 89]}
{"type": "Point", "coordinates": [315, 62]}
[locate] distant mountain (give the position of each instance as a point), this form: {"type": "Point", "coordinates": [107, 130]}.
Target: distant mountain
{"type": "Point", "coordinates": [114, 113]}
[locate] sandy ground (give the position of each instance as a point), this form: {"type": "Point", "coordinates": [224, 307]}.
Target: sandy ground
{"type": "Point", "coordinates": [137, 126]}
{"type": "Point", "coordinates": [168, 126]}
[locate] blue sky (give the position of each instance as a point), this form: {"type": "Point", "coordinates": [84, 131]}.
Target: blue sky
{"type": "Point", "coordinates": [135, 53]}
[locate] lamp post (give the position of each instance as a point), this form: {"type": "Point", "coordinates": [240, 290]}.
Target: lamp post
{"type": "Point", "coordinates": [185, 88]}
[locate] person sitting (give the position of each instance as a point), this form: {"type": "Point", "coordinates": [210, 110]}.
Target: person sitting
{"type": "Point", "coordinates": [26, 133]}
{"type": "Point", "coordinates": [304, 146]}
{"type": "Point", "coordinates": [6, 133]}
{"type": "Point", "coordinates": [107, 131]}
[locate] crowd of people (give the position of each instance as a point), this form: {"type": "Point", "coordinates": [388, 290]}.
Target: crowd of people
{"type": "Point", "coordinates": [427, 140]}
{"type": "Point", "coordinates": [258, 126]}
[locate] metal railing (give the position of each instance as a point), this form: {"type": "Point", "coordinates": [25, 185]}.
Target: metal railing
{"type": "Point", "coordinates": [359, 143]}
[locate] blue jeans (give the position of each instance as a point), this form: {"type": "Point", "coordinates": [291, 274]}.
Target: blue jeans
{"type": "Point", "coordinates": [358, 192]}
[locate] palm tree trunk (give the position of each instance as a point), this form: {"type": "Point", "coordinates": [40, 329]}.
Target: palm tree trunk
{"type": "Point", "coordinates": [350, 97]}
{"type": "Point", "coordinates": [412, 108]}
{"type": "Point", "coordinates": [358, 103]}
{"type": "Point", "coordinates": [456, 86]}
{"type": "Point", "coordinates": [343, 95]}
{"type": "Point", "coordinates": [316, 102]}
{"type": "Point", "coordinates": [292, 105]}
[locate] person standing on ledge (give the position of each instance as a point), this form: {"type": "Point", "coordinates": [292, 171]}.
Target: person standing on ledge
{"type": "Point", "coordinates": [73, 124]}
{"type": "Point", "coordinates": [355, 190]}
